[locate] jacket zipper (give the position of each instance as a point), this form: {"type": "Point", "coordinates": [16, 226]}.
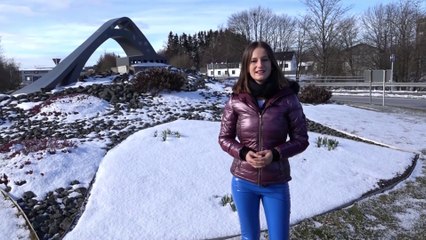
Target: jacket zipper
{"type": "Point", "coordinates": [267, 104]}
{"type": "Point", "coordinates": [260, 146]}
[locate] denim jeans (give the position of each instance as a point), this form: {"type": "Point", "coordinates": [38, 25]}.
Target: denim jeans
{"type": "Point", "coordinates": [276, 203]}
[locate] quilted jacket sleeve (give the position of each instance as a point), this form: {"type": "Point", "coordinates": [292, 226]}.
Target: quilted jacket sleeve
{"type": "Point", "coordinates": [228, 131]}
{"type": "Point", "coordinates": [298, 131]}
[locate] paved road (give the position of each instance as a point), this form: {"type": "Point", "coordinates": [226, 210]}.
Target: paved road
{"type": "Point", "coordinates": [418, 104]}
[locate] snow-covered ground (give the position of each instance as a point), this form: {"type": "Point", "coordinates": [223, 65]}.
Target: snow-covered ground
{"type": "Point", "coordinates": [167, 182]}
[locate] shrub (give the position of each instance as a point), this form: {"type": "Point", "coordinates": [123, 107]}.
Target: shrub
{"type": "Point", "coordinates": [33, 145]}
{"type": "Point", "coordinates": [314, 94]}
{"type": "Point", "coordinates": [157, 80]}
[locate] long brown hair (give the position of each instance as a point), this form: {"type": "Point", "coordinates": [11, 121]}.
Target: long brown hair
{"type": "Point", "coordinates": [276, 74]}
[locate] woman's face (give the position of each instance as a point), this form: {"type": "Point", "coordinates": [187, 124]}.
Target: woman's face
{"type": "Point", "coordinates": [260, 65]}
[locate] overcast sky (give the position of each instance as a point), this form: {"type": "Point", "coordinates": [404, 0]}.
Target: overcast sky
{"type": "Point", "coordinates": [33, 32]}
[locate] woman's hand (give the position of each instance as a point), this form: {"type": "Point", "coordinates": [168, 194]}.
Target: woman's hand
{"type": "Point", "coordinates": [259, 159]}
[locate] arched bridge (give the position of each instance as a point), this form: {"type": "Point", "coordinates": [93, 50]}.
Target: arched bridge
{"type": "Point", "coordinates": [122, 30]}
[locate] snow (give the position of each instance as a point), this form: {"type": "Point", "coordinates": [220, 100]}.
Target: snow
{"type": "Point", "coordinates": [398, 130]}
{"type": "Point", "coordinates": [74, 107]}
{"type": "Point", "coordinates": [154, 188]}
{"type": "Point", "coordinates": [11, 229]}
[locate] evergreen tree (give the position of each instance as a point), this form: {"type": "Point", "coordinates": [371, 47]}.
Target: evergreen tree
{"type": "Point", "coordinates": [106, 62]}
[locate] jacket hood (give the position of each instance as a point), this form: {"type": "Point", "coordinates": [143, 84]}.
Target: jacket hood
{"type": "Point", "coordinates": [294, 86]}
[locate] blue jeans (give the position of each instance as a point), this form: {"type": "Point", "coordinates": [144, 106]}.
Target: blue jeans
{"type": "Point", "coordinates": [276, 203]}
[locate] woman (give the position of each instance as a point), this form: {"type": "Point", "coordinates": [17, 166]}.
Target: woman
{"type": "Point", "coordinates": [263, 125]}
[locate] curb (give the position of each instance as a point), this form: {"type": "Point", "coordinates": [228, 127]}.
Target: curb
{"type": "Point", "coordinates": [33, 234]}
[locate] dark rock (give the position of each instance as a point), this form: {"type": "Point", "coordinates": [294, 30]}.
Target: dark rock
{"type": "Point", "coordinates": [29, 195]}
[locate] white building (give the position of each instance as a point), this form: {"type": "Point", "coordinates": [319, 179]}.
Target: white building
{"type": "Point", "coordinates": [286, 60]}
{"type": "Point", "coordinates": [223, 70]}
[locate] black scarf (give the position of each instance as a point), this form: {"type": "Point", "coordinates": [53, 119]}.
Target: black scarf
{"type": "Point", "coordinates": [266, 90]}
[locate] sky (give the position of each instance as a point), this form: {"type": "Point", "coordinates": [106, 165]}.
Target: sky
{"type": "Point", "coordinates": [33, 32]}
{"type": "Point", "coordinates": [181, 180]}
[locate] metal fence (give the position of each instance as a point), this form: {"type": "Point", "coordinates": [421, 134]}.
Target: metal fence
{"type": "Point", "coordinates": [371, 81]}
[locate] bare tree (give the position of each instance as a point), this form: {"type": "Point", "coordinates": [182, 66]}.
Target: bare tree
{"type": "Point", "coordinates": [391, 29]}
{"type": "Point", "coordinates": [254, 24]}
{"type": "Point", "coordinates": [404, 22]}
{"type": "Point", "coordinates": [323, 19]}
{"type": "Point", "coordinates": [241, 23]}
{"type": "Point", "coordinates": [378, 32]}
{"type": "Point", "coordinates": [282, 34]}
{"type": "Point", "coordinates": [261, 24]}
{"type": "Point", "coordinates": [348, 39]}
{"type": "Point", "coordinates": [301, 44]}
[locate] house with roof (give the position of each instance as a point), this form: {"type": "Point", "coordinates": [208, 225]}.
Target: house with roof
{"type": "Point", "coordinates": [359, 58]}
{"type": "Point", "coordinates": [287, 61]}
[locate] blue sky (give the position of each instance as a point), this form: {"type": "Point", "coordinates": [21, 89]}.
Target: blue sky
{"type": "Point", "coordinates": [33, 32]}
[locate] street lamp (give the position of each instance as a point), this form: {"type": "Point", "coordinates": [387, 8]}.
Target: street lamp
{"type": "Point", "coordinates": [255, 26]}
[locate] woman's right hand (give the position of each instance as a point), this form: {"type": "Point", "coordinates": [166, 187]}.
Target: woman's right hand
{"type": "Point", "coordinates": [254, 159]}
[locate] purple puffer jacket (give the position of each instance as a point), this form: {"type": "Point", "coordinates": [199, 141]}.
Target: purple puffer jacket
{"type": "Point", "coordinates": [244, 124]}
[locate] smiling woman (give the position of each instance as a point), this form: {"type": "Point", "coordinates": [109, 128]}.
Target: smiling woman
{"type": "Point", "coordinates": [261, 114]}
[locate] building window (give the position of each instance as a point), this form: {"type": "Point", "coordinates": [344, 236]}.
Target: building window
{"type": "Point", "coordinates": [211, 72]}
{"type": "Point", "coordinates": [233, 72]}
{"type": "Point", "coordinates": [226, 72]}
{"type": "Point", "coordinates": [218, 73]}
{"type": "Point", "coordinates": [286, 65]}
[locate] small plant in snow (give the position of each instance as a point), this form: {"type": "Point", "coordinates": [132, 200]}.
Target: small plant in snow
{"type": "Point", "coordinates": [330, 144]}
{"type": "Point", "coordinates": [166, 133]}
{"type": "Point", "coordinates": [164, 136]}
{"type": "Point", "coordinates": [227, 199]}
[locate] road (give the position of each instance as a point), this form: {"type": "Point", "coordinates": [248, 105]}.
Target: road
{"type": "Point", "coordinates": [413, 103]}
